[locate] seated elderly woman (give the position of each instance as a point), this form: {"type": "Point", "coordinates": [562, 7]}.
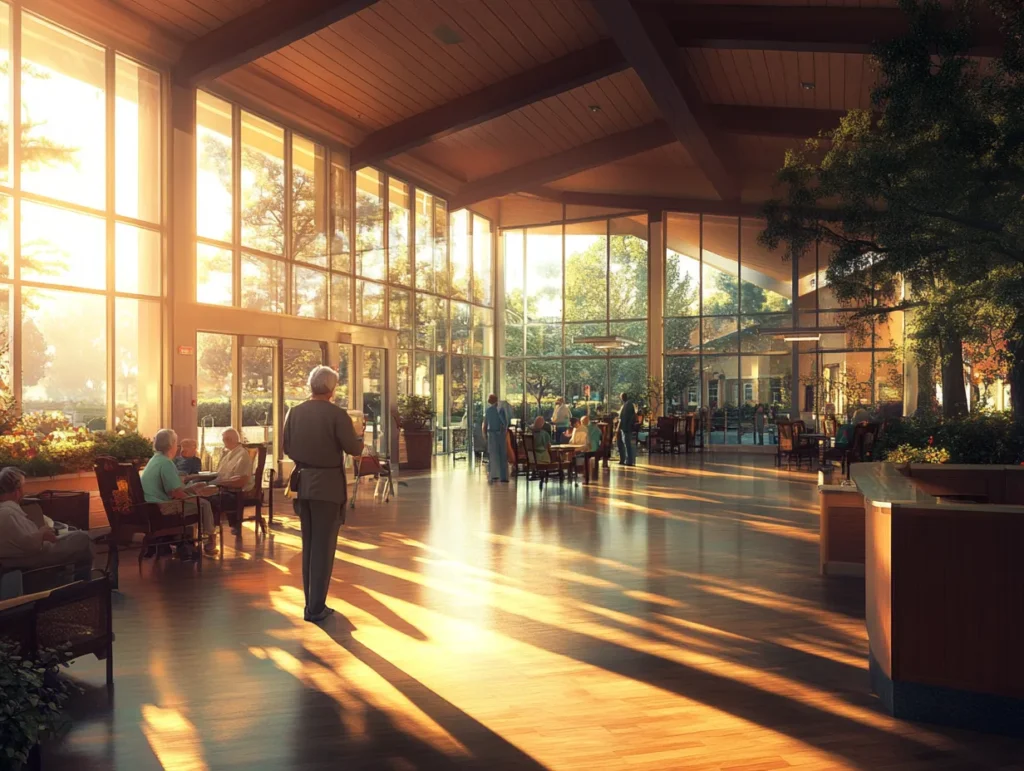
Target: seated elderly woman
{"type": "Point", "coordinates": [187, 462]}
{"type": "Point", "coordinates": [234, 476]}
{"type": "Point", "coordinates": [162, 485]}
{"type": "Point", "coordinates": [24, 544]}
{"type": "Point", "coordinates": [541, 441]}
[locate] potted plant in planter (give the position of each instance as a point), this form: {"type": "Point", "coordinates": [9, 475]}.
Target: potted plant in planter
{"type": "Point", "coordinates": [32, 696]}
{"type": "Point", "coordinates": [416, 417]}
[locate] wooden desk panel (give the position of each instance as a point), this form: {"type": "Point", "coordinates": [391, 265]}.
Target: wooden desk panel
{"type": "Point", "coordinates": [958, 599]}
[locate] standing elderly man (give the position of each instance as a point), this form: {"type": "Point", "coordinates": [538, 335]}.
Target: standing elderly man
{"type": "Point", "coordinates": [497, 446]}
{"type": "Point", "coordinates": [162, 485]}
{"type": "Point", "coordinates": [24, 544]}
{"type": "Point", "coordinates": [317, 434]}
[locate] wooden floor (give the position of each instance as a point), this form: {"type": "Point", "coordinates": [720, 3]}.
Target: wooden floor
{"type": "Point", "coordinates": [671, 617]}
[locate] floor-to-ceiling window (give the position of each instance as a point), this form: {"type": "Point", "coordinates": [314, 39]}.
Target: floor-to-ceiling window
{"type": "Point", "coordinates": [81, 243]}
{"type": "Point", "coordinates": [272, 217]}
{"type": "Point", "coordinates": [724, 294]}
{"type": "Point", "coordinates": [282, 227]}
{"type": "Point", "coordinates": [566, 285]}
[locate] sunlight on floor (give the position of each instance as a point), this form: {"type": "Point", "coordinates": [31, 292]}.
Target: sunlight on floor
{"type": "Point", "coordinates": [174, 739]}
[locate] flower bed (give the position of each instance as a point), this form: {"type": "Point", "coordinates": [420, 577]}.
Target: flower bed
{"type": "Point", "coordinates": [46, 444]}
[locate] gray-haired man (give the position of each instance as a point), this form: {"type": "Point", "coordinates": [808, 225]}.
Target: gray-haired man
{"type": "Point", "coordinates": [317, 434]}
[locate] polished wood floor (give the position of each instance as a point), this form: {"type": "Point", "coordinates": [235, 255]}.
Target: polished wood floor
{"type": "Point", "coordinates": [670, 617]}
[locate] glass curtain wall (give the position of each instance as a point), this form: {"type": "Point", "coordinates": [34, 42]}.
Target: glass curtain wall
{"type": "Point", "coordinates": [563, 283]}
{"type": "Point", "coordinates": [81, 262]}
{"type": "Point", "coordinates": [843, 372]}
{"type": "Point", "coordinates": [452, 309]}
{"type": "Point", "coordinates": [283, 227]}
{"type": "Point", "coordinates": [723, 295]}
{"type": "Point", "coordinates": [272, 218]}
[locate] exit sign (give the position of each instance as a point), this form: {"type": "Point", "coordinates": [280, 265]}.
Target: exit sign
{"type": "Point", "coordinates": [185, 350]}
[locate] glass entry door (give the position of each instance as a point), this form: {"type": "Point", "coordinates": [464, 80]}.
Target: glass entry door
{"type": "Point", "coordinates": [373, 363]}
{"type": "Point", "coordinates": [258, 363]}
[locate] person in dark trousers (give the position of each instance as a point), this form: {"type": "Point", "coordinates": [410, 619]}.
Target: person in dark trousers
{"type": "Point", "coordinates": [627, 419]}
{"type": "Point", "coordinates": [317, 434]}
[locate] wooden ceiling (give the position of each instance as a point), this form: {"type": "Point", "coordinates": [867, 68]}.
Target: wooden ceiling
{"type": "Point", "coordinates": [619, 100]}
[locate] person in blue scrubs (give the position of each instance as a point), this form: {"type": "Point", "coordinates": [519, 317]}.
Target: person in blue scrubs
{"type": "Point", "coordinates": [496, 425]}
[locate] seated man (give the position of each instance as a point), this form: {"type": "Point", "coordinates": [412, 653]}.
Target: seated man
{"type": "Point", "coordinates": [234, 476]}
{"type": "Point", "coordinates": [579, 433]}
{"type": "Point", "coordinates": [162, 485]}
{"type": "Point", "coordinates": [187, 462]}
{"type": "Point", "coordinates": [541, 441]}
{"type": "Point", "coordinates": [23, 544]}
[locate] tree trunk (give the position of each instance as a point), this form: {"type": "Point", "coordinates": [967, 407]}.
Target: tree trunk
{"type": "Point", "coordinates": [954, 391]}
{"type": "Point", "coordinates": [1015, 348]}
{"type": "Point", "coordinates": [925, 386]}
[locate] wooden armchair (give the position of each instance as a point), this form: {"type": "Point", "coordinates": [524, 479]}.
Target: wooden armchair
{"type": "Point", "coordinates": [664, 435]}
{"type": "Point", "coordinates": [537, 470]}
{"type": "Point", "coordinates": [253, 497]}
{"type": "Point", "coordinates": [790, 447]}
{"type": "Point", "coordinates": [129, 514]}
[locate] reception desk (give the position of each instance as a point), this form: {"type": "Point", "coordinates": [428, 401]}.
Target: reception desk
{"type": "Point", "coordinates": [944, 587]}
{"type": "Point", "coordinates": [841, 541]}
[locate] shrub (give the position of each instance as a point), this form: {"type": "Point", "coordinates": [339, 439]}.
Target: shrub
{"type": "Point", "coordinates": [978, 438]}
{"type": "Point", "coordinates": [124, 447]}
{"type": "Point", "coordinates": [32, 696]}
{"type": "Point", "coordinates": [906, 453]}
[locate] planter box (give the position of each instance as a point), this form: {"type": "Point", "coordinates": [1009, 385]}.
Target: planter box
{"type": "Point", "coordinates": [82, 480]}
{"type": "Point", "coordinates": [419, 449]}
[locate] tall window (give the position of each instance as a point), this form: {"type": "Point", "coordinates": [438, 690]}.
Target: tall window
{"type": "Point", "coordinates": [564, 286]}
{"type": "Point", "coordinates": [272, 217]}
{"type": "Point", "coordinates": [80, 228]}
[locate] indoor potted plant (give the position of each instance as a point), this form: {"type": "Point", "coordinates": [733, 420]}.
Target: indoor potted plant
{"type": "Point", "coordinates": [32, 696]}
{"type": "Point", "coordinates": [415, 417]}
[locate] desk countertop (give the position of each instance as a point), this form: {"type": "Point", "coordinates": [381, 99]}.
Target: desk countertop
{"type": "Point", "coordinates": [883, 485]}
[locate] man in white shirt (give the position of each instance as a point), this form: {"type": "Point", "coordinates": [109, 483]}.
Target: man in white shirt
{"type": "Point", "coordinates": [234, 476]}
{"type": "Point", "coordinates": [23, 544]}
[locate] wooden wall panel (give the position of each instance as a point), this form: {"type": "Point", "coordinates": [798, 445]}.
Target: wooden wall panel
{"type": "Point", "coordinates": [878, 583]}
{"type": "Point", "coordinates": [958, 606]}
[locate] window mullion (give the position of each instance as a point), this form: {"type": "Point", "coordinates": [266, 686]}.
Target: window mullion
{"type": "Point", "coordinates": [111, 85]}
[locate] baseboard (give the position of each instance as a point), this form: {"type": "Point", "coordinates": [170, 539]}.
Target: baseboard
{"type": "Point", "coordinates": [947, 706]}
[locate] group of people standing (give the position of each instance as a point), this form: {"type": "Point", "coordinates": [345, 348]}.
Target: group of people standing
{"type": "Point", "coordinates": [579, 432]}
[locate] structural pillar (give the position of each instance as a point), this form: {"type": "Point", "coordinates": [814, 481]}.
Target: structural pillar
{"type": "Point", "coordinates": [794, 389]}
{"type": "Point", "coordinates": [181, 267]}
{"type": "Point", "coordinates": [655, 302]}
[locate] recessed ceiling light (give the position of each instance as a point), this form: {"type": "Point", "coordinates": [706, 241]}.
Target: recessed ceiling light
{"type": "Point", "coordinates": [447, 35]}
{"type": "Point", "coordinates": [594, 108]}
{"type": "Point", "coordinates": [807, 85]}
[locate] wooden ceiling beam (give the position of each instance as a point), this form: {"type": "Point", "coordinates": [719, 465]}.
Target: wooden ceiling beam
{"type": "Point", "coordinates": [818, 29]}
{"type": "Point", "coordinates": [637, 202]}
{"type": "Point", "coordinates": [544, 170]}
{"type": "Point", "coordinates": [647, 45]}
{"type": "Point", "coordinates": [554, 77]}
{"type": "Point", "coordinates": [257, 33]}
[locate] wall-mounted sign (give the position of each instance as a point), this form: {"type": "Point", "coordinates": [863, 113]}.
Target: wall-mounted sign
{"type": "Point", "coordinates": [186, 350]}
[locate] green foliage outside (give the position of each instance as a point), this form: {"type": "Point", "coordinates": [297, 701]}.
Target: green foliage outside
{"type": "Point", "coordinates": [925, 199]}
{"type": "Point", "coordinates": [994, 438]}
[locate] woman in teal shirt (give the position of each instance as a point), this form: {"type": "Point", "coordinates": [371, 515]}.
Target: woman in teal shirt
{"type": "Point", "coordinates": [541, 442]}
